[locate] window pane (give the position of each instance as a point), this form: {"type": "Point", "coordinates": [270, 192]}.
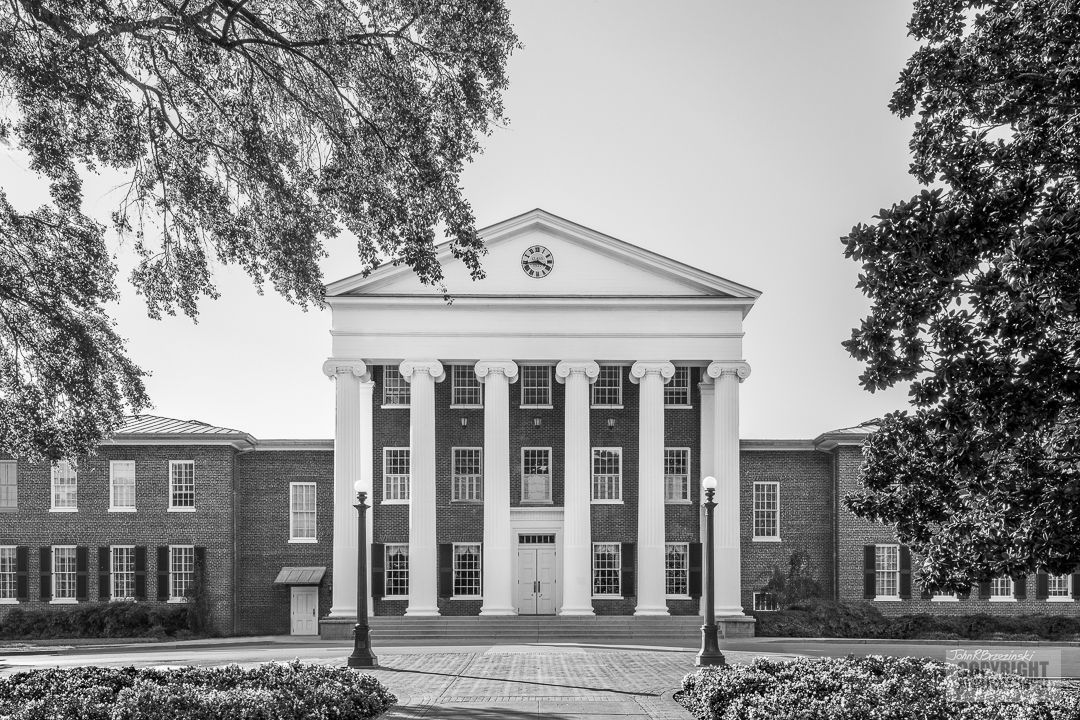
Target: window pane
{"type": "Point", "coordinates": [181, 570]}
{"type": "Point", "coordinates": [607, 474]}
{"type": "Point", "coordinates": [395, 389]}
{"type": "Point", "coordinates": [676, 474]}
{"type": "Point", "coordinates": [607, 390]}
{"type": "Point", "coordinates": [468, 476]}
{"type": "Point", "coordinates": [182, 483]}
{"type": "Point", "coordinates": [677, 391]}
{"type": "Point", "coordinates": [1058, 586]}
{"type": "Point", "coordinates": [466, 386]}
{"type": "Point", "coordinates": [766, 509]}
{"type": "Point", "coordinates": [536, 475]}
{"type": "Point", "coordinates": [396, 474]}
{"type": "Point", "coordinates": [9, 487]}
{"type": "Point", "coordinates": [64, 485]}
{"type": "Point", "coordinates": [123, 573]}
{"type": "Point", "coordinates": [607, 569]}
{"type": "Point", "coordinates": [8, 576]}
{"type": "Point", "coordinates": [467, 571]}
{"type": "Point", "coordinates": [887, 570]}
{"type": "Point", "coordinates": [535, 385]}
{"type": "Point", "coordinates": [396, 567]}
{"type": "Point", "coordinates": [63, 573]}
{"type": "Point", "coordinates": [122, 484]}
{"type": "Point", "coordinates": [302, 511]}
{"type": "Point", "coordinates": [1001, 587]}
{"type": "Point", "coordinates": [677, 569]}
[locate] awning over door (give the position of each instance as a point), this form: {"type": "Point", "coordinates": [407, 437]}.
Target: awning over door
{"type": "Point", "coordinates": [300, 576]}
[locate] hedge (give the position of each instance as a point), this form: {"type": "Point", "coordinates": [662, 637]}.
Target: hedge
{"type": "Point", "coordinates": [870, 687]}
{"type": "Point", "coordinates": [273, 691]}
{"type": "Point", "coordinates": [98, 620]}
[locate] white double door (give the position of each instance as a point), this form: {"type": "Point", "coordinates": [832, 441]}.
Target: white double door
{"type": "Point", "coordinates": [535, 580]}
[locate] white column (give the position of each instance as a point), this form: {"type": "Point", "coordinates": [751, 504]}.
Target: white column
{"type": "Point", "coordinates": [498, 538]}
{"type": "Point", "coordinates": [726, 378]}
{"type": "Point", "coordinates": [423, 551]}
{"type": "Point", "coordinates": [577, 510]}
{"type": "Point", "coordinates": [708, 442]}
{"type": "Point", "coordinates": [651, 377]}
{"type": "Point", "coordinates": [351, 413]}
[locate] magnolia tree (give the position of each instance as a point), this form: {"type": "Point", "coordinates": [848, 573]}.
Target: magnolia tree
{"type": "Point", "coordinates": [250, 131]}
{"type": "Point", "coordinates": [975, 292]}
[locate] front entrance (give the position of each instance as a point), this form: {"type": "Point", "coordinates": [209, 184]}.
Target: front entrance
{"type": "Point", "coordinates": [304, 612]}
{"type": "Point", "coordinates": [536, 577]}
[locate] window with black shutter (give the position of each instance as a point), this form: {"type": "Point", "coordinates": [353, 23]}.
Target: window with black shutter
{"type": "Point", "coordinates": [82, 570]}
{"type": "Point", "coordinates": [103, 564]}
{"type": "Point", "coordinates": [45, 573]}
{"type": "Point", "coordinates": [378, 572]}
{"type": "Point", "coordinates": [629, 580]}
{"type": "Point", "coordinates": [140, 572]}
{"type": "Point", "coordinates": [869, 572]}
{"type": "Point", "coordinates": [22, 573]}
{"type": "Point", "coordinates": [1020, 587]}
{"type": "Point", "coordinates": [163, 572]}
{"type": "Point", "coordinates": [446, 570]}
{"type": "Point", "coordinates": [905, 573]}
{"type": "Point", "coordinates": [697, 570]}
{"type": "Point", "coordinates": [1042, 586]}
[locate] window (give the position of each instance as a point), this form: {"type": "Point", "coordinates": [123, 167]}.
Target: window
{"type": "Point", "coordinates": [181, 571]}
{"type": "Point", "coordinates": [764, 602]}
{"type": "Point", "coordinates": [9, 485]}
{"type": "Point", "coordinates": [676, 475]}
{"type": "Point", "coordinates": [466, 569]}
{"type": "Point", "coordinates": [607, 475]}
{"type": "Point", "coordinates": [65, 487]}
{"type": "Point", "coordinates": [122, 486]}
{"type": "Point", "coordinates": [468, 481]}
{"type": "Point", "coordinates": [607, 569]}
{"type": "Point", "coordinates": [1001, 588]}
{"type": "Point", "coordinates": [122, 572]}
{"type": "Point", "coordinates": [677, 569]}
{"type": "Point", "coordinates": [181, 485]}
{"type": "Point", "coordinates": [887, 571]}
{"type": "Point", "coordinates": [302, 512]}
{"type": "Point", "coordinates": [465, 388]}
{"type": "Point", "coordinates": [677, 391]}
{"type": "Point", "coordinates": [535, 385]}
{"type": "Point", "coordinates": [395, 474]}
{"type": "Point", "coordinates": [63, 573]}
{"type": "Point", "coordinates": [395, 391]}
{"type": "Point", "coordinates": [1057, 586]}
{"type": "Point", "coordinates": [767, 510]}
{"type": "Point", "coordinates": [607, 390]}
{"type": "Point", "coordinates": [397, 570]}
{"type": "Point", "coordinates": [535, 475]}
{"type": "Point", "coordinates": [8, 574]}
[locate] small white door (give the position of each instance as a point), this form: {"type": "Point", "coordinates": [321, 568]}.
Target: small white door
{"type": "Point", "coordinates": [536, 581]}
{"type": "Point", "coordinates": [305, 610]}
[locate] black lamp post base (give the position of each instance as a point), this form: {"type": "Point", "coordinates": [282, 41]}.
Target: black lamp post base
{"type": "Point", "coordinates": [362, 657]}
{"type": "Point", "coordinates": [710, 648]}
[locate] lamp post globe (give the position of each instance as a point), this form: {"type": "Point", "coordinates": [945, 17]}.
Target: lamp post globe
{"type": "Point", "coordinates": [362, 656]}
{"type": "Point", "coordinates": [710, 644]}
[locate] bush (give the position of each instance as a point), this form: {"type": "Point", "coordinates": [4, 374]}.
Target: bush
{"type": "Point", "coordinates": [871, 687]}
{"type": "Point", "coordinates": [270, 692]}
{"type": "Point", "coordinates": [103, 620]}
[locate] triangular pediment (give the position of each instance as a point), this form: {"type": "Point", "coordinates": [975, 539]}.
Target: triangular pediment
{"type": "Point", "coordinates": [583, 262]}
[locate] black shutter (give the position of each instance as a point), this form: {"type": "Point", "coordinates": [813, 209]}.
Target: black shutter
{"type": "Point", "coordinates": [446, 570]}
{"type": "Point", "coordinates": [984, 590]}
{"type": "Point", "coordinates": [926, 594]}
{"type": "Point", "coordinates": [163, 573]}
{"type": "Point", "coordinates": [22, 573]}
{"type": "Point", "coordinates": [696, 570]}
{"type": "Point", "coordinates": [45, 569]}
{"type": "Point", "coordinates": [629, 580]}
{"type": "Point", "coordinates": [103, 557]}
{"type": "Point", "coordinates": [1076, 585]}
{"type": "Point", "coordinates": [378, 570]}
{"type": "Point", "coordinates": [905, 573]}
{"type": "Point", "coordinates": [140, 572]}
{"type": "Point", "coordinates": [1042, 586]}
{"type": "Point", "coordinates": [869, 572]}
{"type": "Point", "coordinates": [200, 566]}
{"type": "Point", "coordinates": [964, 594]}
{"type": "Point", "coordinates": [1020, 587]}
{"type": "Point", "coordinates": [82, 568]}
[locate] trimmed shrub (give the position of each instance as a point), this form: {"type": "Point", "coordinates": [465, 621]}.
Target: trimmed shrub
{"type": "Point", "coordinates": [98, 620]}
{"type": "Point", "coordinates": [870, 687]}
{"type": "Point", "coordinates": [273, 691]}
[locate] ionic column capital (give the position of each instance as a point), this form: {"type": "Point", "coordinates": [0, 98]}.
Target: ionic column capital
{"type": "Point", "coordinates": [341, 366]}
{"type": "Point", "coordinates": [508, 368]}
{"type": "Point", "coordinates": [738, 368]}
{"type": "Point", "coordinates": [588, 368]}
{"type": "Point", "coordinates": [432, 367]}
{"type": "Point", "coordinates": [640, 369]}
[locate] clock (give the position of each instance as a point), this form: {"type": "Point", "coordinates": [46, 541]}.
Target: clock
{"type": "Point", "coordinates": [537, 261]}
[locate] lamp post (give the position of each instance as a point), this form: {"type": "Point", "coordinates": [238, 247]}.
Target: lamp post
{"type": "Point", "coordinates": [710, 645]}
{"type": "Point", "coordinates": [361, 654]}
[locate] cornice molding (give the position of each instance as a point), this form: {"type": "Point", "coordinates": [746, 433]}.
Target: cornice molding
{"type": "Point", "coordinates": [663, 368]}
{"type": "Point", "coordinates": [434, 368]}
{"type": "Point", "coordinates": [589, 368]}
{"type": "Point", "coordinates": [738, 368]}
{"type": "Point", "coordinates": [507, 368]}
{"type": "Point", "coordinates": [341, 366]}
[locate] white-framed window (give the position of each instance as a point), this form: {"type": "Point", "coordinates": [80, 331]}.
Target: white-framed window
{"type": "Point", "coordinates": [535, 386]}
{"type": "Point", "coordinates": [181, 571]}
{"type": "Point", "coordinates": [607, 570]}
{"type": "Point", "coordinates": [677, 475]}
{"type": "Point", "coordinates": [677, 391]}
{"type": "Point", "coordinates": [9, 485]}
{"type": "Point", "coordinates": [181, 485]}
{"type": "Point", "coordinates": [395, 391]}
{"type": "Point", "coordinates": [468, 479]}
{"type": "Point", "coordinates": [396, 569]}
{"type": "Point", "coordinates": [9, 588]}
{"type": "Point", "coordinates": [765, 602]}
{"type": "Point", "coordinates": [677, 569]}
{"type": "Point", "coordinates": [122, 572]}
{"type": "Point", "coordinates": [1057, 588]}
{"type": "Point", "coordinates": [607, 475]}
{"type": "Point", "coordinates": [536, 475]}
{"type": "Point", "coordinates": [64, 574]}
{"type": "Point", "coordinates": [302, 512]}
{"type": "Point", "coordinates": [607, 390]}
{"type": "Point", "coordinates": [396, 474]}
{"type": "Point", "coordinates": [1001, 588]}
{"type": "Point", "coordinates": [467, 570]}
{"type": "Point", "coordinates": [766, 510]}
{"type": "Point", "coordinates": [887, 571]}
{"type": "Point", "coordinates": [65, 487]}
{"type": "Point", "coordinates": [466, 389]}
{"type": "Point", "coordinates": [122, 486]}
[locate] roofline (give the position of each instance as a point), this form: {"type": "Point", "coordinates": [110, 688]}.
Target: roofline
{"type": "Point", "coordinates": [239, 441]}
{"type": "Point", "coordinates": [288, 444]}
{"type": "Point", "coordinates": [755, 445]}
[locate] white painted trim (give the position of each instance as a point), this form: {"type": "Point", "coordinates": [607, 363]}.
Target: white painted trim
{"type": "Point", "coordinates": [1001, 598]}
{"type": "Point", "coordinates": [592, 475]}
{"type": "Point", "coordinates": [944, 598]}
{"type": "Point", "coordinates": [122, 510]}
{"type": "Point", "coordinates": [767, 539]}
{"type": "Point", "coordinates": [550, 474]}
{"type": "Point", "coordinates": [64, 601]}
{"type": "Point", "coordinates": [9, 601]}
{"type": "Point", "coordinates": [315, 486]}
{"type": "Point", "coordinates": [886, 598]}
{"type": "Point", "coordinates": [64, 509]}
{"type": "Point", "coordinates": [753, 509]}
{"type": "Point", "coordinates": [184, 509]}
{"type": "Point", "coordinates": [1059, 599]}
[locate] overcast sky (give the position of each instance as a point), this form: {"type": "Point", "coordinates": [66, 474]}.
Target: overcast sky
{"type": "Point", "coordinates": [744, 138]}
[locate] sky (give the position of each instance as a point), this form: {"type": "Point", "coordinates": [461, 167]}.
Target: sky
{"type": "Point", "coordinates": [742, 138]}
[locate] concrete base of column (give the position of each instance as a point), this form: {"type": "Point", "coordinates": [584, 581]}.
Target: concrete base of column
{"type": "Point", "coordinates": [421, 612]}
{"type": "Point", "coordinates": [498, 611]}
{"type": "Point", "coordinates": [576, 611]}
{"type": "Point", "coordinates": [343, 612]}
{"type": "Point", "coordinates": [640, 610]}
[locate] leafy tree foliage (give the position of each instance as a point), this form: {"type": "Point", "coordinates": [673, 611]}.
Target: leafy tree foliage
{"type": "Point", "coordinates": [795, 585]}
{"type": "Point", "coordinates": [251, 130]}
{"type": "Point", "coordinates": [975, 286]}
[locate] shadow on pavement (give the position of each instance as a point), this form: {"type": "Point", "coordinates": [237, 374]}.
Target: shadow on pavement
{"type": "Point", "coordinates": [519, 682]}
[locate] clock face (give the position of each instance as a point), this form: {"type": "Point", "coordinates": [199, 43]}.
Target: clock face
{"type": "Point", "coordinates": [537, 261]}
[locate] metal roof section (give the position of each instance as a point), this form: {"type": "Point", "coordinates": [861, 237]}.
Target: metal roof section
{"type": "Point", "coordinates": [157, 425]}
{"type": "Point", "coordinates": [854, 435]}
{"type": "Point", "coordinates": [300, 575]}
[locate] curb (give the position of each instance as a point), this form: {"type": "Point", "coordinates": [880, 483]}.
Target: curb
{"type": "Point", "coordinates": [888, 641]}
